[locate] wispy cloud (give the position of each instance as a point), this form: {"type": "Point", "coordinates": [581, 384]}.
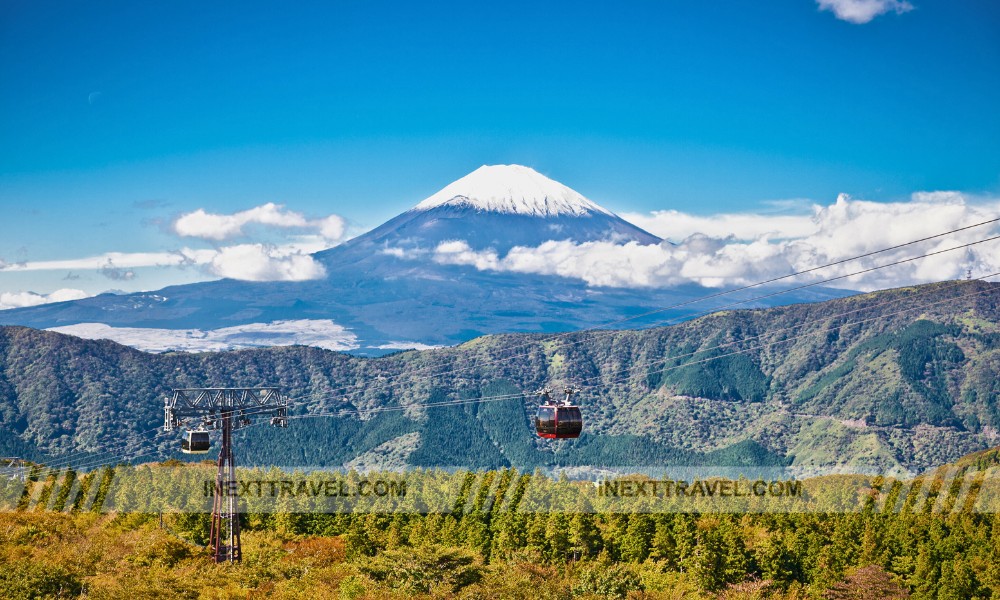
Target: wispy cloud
{"type": "Point", "coordinates": [251, 262]}
{"type": "Point", "coordinates": [150, 204]}
{"type": "Point", "coordinates": [730, 250]}
{"type": "Point", "coordinates": [126, 260]}
{"type": "Point", "coordinates": [116, 273]}
{"type": "Point", "coordinates": [860, 12]}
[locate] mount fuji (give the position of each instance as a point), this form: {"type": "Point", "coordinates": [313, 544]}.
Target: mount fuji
{"type": "Point", "coordinates": [388, 289]}
{"type": "Point", "coordinates": [494, 207]}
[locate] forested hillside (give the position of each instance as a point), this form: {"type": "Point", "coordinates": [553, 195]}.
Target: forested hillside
{"type": "Point", "coordinates": [485, 546]}
{"type": "Point", "coordinates": [900, 378]}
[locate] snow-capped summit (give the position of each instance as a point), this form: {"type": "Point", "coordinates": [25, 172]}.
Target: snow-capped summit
{"type": "Point", "coordinates": [495, 207]}
{"type": "Point", "coordinates": [513, 189]}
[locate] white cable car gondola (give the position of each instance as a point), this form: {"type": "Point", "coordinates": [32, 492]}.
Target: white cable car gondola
{"type": "Point", "coordinates": [195, 442]}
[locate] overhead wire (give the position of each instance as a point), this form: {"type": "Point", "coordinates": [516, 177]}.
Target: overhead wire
{"type": "Point", "coordinates": [345, 412]}
{"type": "Point", "coordinates": [507, 397]}
{"type": "Point", "coordinates": [843, 276]}
{"type": "Point", "coordinates": [90, 455]}
{"type": "Point", "coordinates": [508, 357]}
{"type": "Point", "coordinates": [803, 324]}
{"type": "Point", "coordinates": [601, 327]}
{"type": "Point", "coordinates": [796, 337]}
{"type": "Point", "coordinates": [328, 395]}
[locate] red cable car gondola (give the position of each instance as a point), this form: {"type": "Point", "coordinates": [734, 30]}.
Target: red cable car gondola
{"type": "Point", "coordinates": [558, 420]}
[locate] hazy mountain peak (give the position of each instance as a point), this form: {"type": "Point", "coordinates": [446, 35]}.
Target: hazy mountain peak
{"type": "Point", "coordinates": [512, 189]}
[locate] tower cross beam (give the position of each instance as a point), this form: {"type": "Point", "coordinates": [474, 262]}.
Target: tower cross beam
{"type": "Point", "coordinates": [213, 404]}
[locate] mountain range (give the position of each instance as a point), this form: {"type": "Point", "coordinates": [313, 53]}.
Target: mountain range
{"type": "Point", "coordinates": [900, 379]}
{"type": "Point", "coordinates": [427, 277]}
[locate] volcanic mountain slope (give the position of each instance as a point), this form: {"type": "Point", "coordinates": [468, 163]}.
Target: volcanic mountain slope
{"type": "Point", "coordinates": [900, 379]}
{"type": "Point", "coordinates": [391, 288]}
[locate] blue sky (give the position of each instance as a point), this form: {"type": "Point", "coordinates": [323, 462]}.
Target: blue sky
{"type": "Point", "coordinates": [117, 117]}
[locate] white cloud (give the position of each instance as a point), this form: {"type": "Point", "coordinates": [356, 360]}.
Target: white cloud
{"type": "Point", "coordinates": [458, 252]}
{"type": "Point", "coordinates": [259, 262]}
{"type": "Point", "coordinates": [218, 227]}
{"type": "Point", "coordinates": [738, 251]}
{"type": "Point", "coordinates": [250, 262]}
{"type": "Point", "coordinates": [863, 11]}
{"type": "Point", "coordinates": [332, 227]}
{"type": "Point", "coordinates": [280, 254]}
{"type": "Point", "coordinates": [120, 260]}
{"type": "Point", "coordinates": [22, 299]}
{"type": "Point", "coordinates": [321, 333]}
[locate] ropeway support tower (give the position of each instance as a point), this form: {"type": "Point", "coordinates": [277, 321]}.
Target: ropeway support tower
{"type": "Point", "coordinates": [225, 410]}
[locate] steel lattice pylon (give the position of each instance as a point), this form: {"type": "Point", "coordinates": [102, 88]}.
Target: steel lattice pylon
{"type": "Point", "coordinates": [225, 409]}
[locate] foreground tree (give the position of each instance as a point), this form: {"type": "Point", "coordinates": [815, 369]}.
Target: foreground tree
{"type": "Point", "coordinates": [866, 583]}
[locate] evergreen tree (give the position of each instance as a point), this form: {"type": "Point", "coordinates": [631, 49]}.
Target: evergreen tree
{"type": "Point", "coordinates": [635, 544]}
{"type": "Point", "coordinates": [706, 563]}
{"type": "Point", "coordinates": [663, 547]}
{"type": "Point", "coordinates": [557, 538]}
{"type": "Point", "coordinates": [584, 537]}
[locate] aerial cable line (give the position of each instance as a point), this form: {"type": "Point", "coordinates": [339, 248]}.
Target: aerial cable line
{"type": "Point", "coordinates": [345, 412]}
{"type": "Point", "coordinates": [64, 459]}
{"type": "Point", "coordinates": [699, 351]}
{"type": "Point", "coordinates": [91, 461]}
{"type": "Point", "coordinates": [445, 403]}
{"type": "Point", "coordinates": [600, 327]}
{"type": "Point", "coordinates": [804, 271]}
{"type": "Point", "coordinates": [803, 335]}
{"type": "Point", "coordinates": [507, 397]}
{"type": "Point", "coordinates": [827, 318]}
{"type": "Point", "coordinates": [534, 344]}
{"type": "Point", "coordinates": [502, 397]}
{"type": "Point", "coordinates": [718, 294]}
{"type": "Point", "coordinates": [725, 306]}
{"type": "Point", "coordinates": [458, 402]}
{"type": "Point", "coordinates": [796, 337]}
{"type": "Point", "coordinates": [348, 411]}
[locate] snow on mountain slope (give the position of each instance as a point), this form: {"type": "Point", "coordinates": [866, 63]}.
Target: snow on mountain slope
{"type": "Point", "coordinates": [322, 333]}
{"type": "Point", "coordinates": [513, 189]}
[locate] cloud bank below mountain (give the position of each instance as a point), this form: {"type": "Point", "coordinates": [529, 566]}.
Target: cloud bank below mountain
{"type": "Point", "coordinates": [22, 299]}
{"type": "Point", "coordinates": [739, 249]}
